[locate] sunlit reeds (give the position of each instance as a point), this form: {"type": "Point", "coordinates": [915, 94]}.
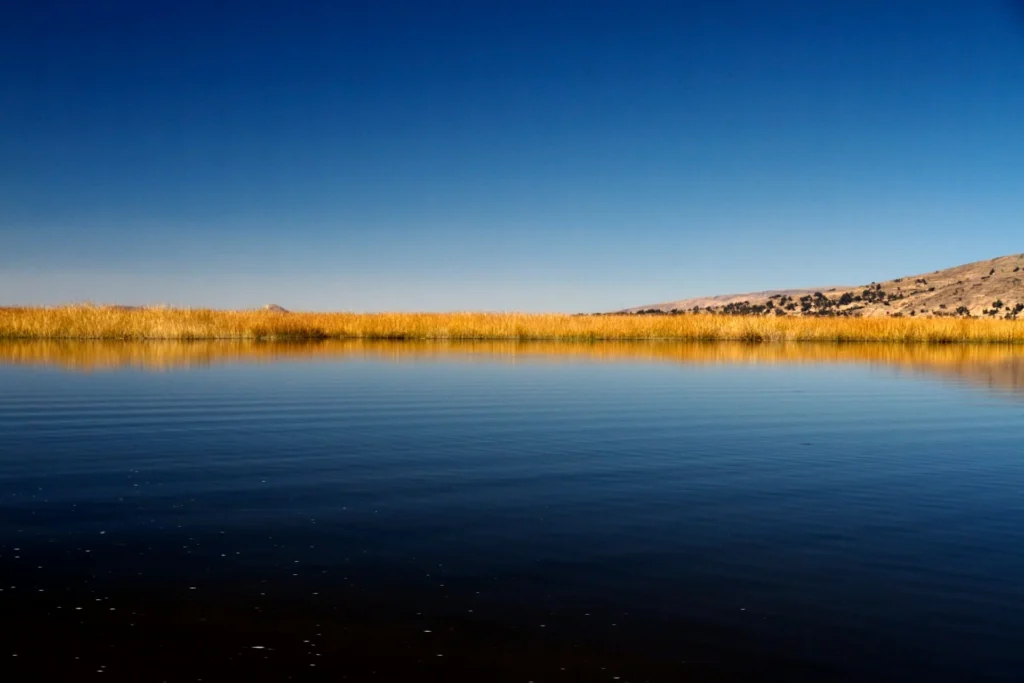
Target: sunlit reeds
{"type": "Point", "coordinates": [103, 322]}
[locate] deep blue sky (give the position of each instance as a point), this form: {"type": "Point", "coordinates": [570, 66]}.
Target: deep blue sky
{"type": "Point", "coordinates": [562, 155]}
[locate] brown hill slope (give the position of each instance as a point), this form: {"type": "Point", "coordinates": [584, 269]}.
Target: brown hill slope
{"type": "Point", "coordinates": [990, 289]}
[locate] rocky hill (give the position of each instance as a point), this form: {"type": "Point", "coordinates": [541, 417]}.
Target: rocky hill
{"type": "Point", "coordinates": [989, 289]}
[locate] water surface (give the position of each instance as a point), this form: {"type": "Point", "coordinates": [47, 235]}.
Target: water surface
{"type": "Point", "coordinates": [546, 512]}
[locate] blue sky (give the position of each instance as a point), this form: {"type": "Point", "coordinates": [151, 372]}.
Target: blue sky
{"type": "Point", "coordinates": [537, 156]}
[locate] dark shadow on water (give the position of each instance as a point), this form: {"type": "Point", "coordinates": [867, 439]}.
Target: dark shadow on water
{"type": "Point", "coordinates": [222, 637]}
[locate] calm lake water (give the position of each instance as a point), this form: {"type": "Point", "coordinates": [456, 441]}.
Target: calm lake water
{"type": "Point", "coordinates": [351, 511]}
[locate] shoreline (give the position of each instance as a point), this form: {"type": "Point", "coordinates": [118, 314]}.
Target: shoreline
{"type": "Point", "coordinates": [184, 324]}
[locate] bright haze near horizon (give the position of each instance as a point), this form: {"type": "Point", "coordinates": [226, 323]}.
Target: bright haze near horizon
{"type": "Point", "coordinates": [533, 156]}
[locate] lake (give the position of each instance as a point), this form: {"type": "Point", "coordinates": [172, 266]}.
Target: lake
{"type": "Point", "coordinates": [237, 511]}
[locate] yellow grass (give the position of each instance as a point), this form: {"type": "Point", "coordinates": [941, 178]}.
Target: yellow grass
{"type": "Point", "coordinates": [100, 322]}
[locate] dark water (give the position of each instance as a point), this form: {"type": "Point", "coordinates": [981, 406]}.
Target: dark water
{"type": "Point", "coordinates": [525, 518]}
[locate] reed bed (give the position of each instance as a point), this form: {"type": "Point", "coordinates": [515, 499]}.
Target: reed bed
{"type": "Point", "coordinates": [108, 322]}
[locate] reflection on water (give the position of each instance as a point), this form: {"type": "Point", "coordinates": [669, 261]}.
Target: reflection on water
{"type": "Point", "coordinates": [998, 367]}
{"type": "Point", "coordinates": [497, 511]}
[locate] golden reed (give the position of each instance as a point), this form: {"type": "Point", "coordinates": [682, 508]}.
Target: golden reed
{"type": "Point", "coordinates": [108, 322]}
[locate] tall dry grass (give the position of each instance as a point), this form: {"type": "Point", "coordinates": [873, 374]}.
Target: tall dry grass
{"type": "Point", "coordinates": [101, 322]}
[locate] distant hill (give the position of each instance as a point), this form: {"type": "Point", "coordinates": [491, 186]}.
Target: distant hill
{"type": "Point", "coordinates": [991, 289]}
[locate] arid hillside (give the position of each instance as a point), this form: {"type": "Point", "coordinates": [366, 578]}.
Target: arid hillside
{"type": "Point", "coordinates": [985, 289]}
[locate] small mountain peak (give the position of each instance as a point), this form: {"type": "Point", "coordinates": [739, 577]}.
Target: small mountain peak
{"type": "Point", "coordinates": [274, 308]}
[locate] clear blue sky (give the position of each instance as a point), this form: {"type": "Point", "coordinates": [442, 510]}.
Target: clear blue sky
{"type": "Point", "coordinates": [503, 155]}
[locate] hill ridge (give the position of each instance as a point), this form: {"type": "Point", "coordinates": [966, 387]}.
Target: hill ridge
{"type": "Point", "coordinates": [992, 288]}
